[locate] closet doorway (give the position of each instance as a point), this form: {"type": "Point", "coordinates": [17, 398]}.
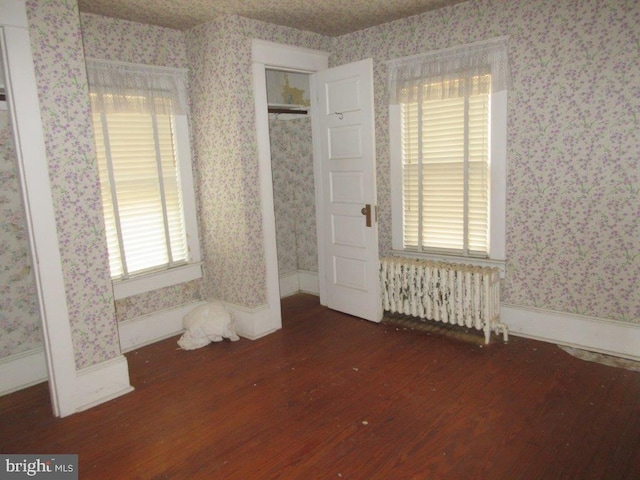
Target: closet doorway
{"type": "Point", "coordinates": [343, 148]}
{"type": "Point", "coordinates": [291, 145]}
{"type": "Point", "coordinates": [276, 57]}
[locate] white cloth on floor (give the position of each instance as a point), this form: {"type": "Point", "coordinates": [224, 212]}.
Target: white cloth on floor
{"type": "Point", "coordinates": [207, 323]}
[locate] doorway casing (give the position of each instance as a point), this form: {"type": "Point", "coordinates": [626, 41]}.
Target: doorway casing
{"type": "Point", "coordinates": [282, 57]}
{"type": "Point", "coordinates": [36, 192]}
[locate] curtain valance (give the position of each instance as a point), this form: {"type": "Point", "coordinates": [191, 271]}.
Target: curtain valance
{"type": "Point", "coordinates": [453, 72]}
{"type": "Point", "coordinates": [116, 87]}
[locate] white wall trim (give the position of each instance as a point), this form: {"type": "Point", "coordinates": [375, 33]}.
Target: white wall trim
{"type": "Point", "coordinates": [156, 280]}
{"type": "Point", "coordinates": [606, 336]}
{"type": "Point", "coordinates": [269, 242]}
{"type": "Point", "coordinates": [103, 382]}
{"type": "Point", "coordinates": [250, 323]}
{"type": "Point", "coordinates": [289, 284]}
{"type": "Point", "coordinates": [33, 169]}
{"type": "Point", "coordinates": [13, 13]}
{"type": "Point", "coordinates": [22, 370]}
{"type": "Point", "coordinates": [299, 281]}
{"type": "Point", "coordinates": [254, 323]}
{"type": "Point", "coordinates": [156, 326]}
{"type": "Point", "coordinates": [288, 56]}
{"type": "Point", "coordinates": [309, 282]}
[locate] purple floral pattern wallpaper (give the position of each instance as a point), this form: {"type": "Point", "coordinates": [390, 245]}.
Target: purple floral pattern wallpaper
{"type": "Point", "coordinates": [231, 240]}
{"type": "Point", "coordinates": [162, 299]}
{"type": "Point", "coordinates": [223, 120]}
{"type": "Point", "coordinates": [64, 103]}
{"type": "Point", "coordinates": [573, 206]}
{"type": "Point", "coordinates": [19, 314]}
{"type": "Point", "coordinates": [294, 194]}
{"type": "Point", "coordinates": [122, 41]}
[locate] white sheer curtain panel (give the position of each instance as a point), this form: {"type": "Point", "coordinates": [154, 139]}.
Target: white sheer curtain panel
{"type": "Point", "coordinates": [128, 88]}
{"type": "Point", "coordinates": [470, 69]}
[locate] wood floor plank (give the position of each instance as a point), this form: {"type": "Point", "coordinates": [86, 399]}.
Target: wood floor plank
{"type": "Point", "coordinates": [331, 396]}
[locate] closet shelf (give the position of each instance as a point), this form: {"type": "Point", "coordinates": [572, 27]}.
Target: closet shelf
{"type": "Point", "coordinates": [294, 109]}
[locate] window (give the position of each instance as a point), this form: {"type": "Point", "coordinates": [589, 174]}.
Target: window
{"type": "Point", "coordinates": [142, 143]}
{"type": "Point", "coordinates": [448, 131]}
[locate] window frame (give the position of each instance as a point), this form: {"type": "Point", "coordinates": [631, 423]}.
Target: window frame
{"type": "Point", "coordinates": [497, 182]}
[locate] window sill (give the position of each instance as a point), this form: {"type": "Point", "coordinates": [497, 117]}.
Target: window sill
{"type": "Point", "coordinates": [156, 280]}
{"type": "Point", "coordinates": [501, 265]}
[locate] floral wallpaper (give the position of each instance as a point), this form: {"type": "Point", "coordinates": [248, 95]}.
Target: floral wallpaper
{"type": "Point", "coordinates": [219, 55]}
{"type": "Point", "coordinates": [573, 232]}
{"type": "Point", "coordinates": [62, 92]}
{"type": "Point", "coordinates": [123, 41]}
{"type": "Point", "coordinates": [294, 194]}
{"type": "Point", "coordinates": [573, 206]}
{"type": "Point", "coordinates": [157, 300]}
{"type": "Point", "coordinates": [19, 313]}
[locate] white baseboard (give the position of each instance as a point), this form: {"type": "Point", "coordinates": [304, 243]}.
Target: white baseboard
{"type": "Point", "coordinates": [289, 284]}
{"type": "Point", "coordinates": [154, 327]}
{"type": "Point", "coordinates": [258, 322]}
{"type": "Point", "coordinates": [610, 337]}
{"type": "Point", "coordinates": [103, 382]}
{"type": "Point", "coordinates": [309, 282]}
{"type": "Point", "coordinates": [299, 281]}
{"type": "Point", "coordinates": [22, 370]}
{"type": "Point", "coordinates": [253, 323]}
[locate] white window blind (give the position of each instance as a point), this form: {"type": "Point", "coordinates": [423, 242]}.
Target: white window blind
{"type": "Point", "coordinates": [139, 115]}
{"type": "Point", "coordinates": [447, 123]}
{"type": "Point", "coordinates": [142, 199]}
{"type": "Point", "coordinates": [445, 154]}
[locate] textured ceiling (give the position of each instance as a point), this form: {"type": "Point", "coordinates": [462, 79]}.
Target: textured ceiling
{"type": "Point", "coordinates": [328, 17]}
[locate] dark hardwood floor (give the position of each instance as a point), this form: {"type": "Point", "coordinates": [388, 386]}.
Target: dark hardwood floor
{"type": "Point", "coordinates": [333, 397]}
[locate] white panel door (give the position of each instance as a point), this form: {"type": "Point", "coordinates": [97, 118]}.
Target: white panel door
{"type": "Point", "coordinates": [345, 125]}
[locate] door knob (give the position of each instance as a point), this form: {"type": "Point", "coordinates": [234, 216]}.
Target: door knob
{"type": "Point", "coordinates": [366, 211]}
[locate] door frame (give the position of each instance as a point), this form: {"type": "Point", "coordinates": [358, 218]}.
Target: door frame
{"type": "Point", "coordinates": [282, 57]}
{"type": "Point", "coordinates": [38, 202]}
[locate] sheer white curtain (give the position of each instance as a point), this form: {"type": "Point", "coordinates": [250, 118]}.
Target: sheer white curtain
{"type": "Point", "coordinates": [465, 70]}
{"type": "Point", "coordinates": [128, 88]}
{"type": "Point", "coordinates": [138, 114]}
